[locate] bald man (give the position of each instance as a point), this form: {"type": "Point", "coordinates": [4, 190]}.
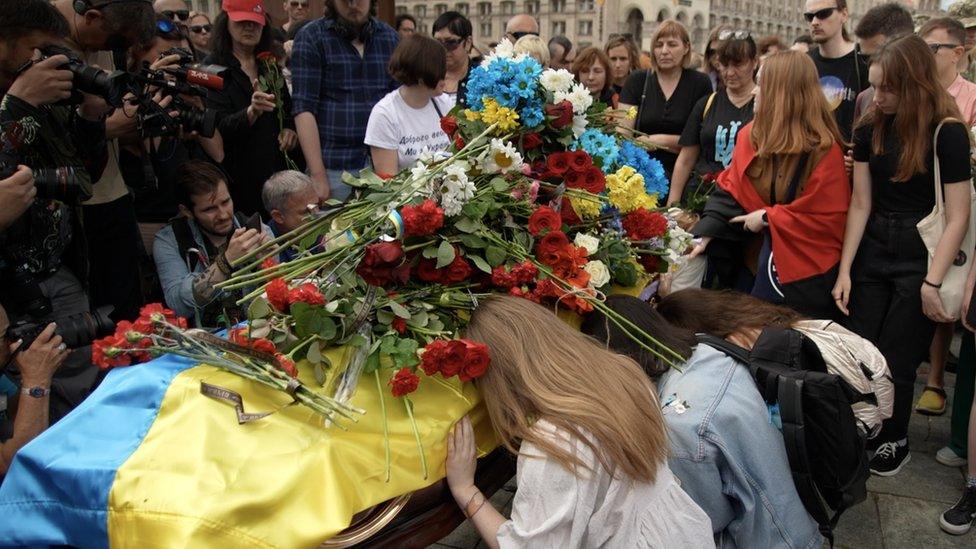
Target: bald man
{"type": "Point", "coordinates": [521, 25]}
{"type": "Point", "coordinates": [177, 10]}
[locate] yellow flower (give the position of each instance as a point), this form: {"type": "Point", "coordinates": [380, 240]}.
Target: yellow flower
{"type": "Point", "coordinates": [626, 191]}
{"type": "Point", "coordinates": [471, 115]}
{"type": "Point", "coordinates": [587, 207]}
{"type": "Point", "coordinates": [505, 118]}
{"type": "Point", "coordinates": [632, 113]}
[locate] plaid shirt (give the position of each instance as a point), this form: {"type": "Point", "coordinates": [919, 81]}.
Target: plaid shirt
{"type": "Point", "coordinates": [332, 81]}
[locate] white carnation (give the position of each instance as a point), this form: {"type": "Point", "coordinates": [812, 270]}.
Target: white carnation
{"type": "Point", "coordinates": [579, 125]}
{"type": "Point", "coordinates": [554, 80]}
{"type": "Point", "coordinates": [589, 242]}
{"type": "Point", "coordinates": [579, 96]}
{"type": "Point", "coordinates": [599, 274]}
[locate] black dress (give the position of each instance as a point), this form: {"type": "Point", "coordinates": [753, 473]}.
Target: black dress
{"type": "Point", "coordinates": [251, 152]}
{"type": "Point", "coordinates": [660, 115]}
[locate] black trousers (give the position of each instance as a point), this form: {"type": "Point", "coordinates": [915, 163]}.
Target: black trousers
{"type": "Point", "coordinates": [114, 247]}
{"type": "Point", "coordinates": [886, 305]}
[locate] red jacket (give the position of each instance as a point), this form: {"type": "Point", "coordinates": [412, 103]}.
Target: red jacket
{"type": "Point", "coordinates": [808, 233]}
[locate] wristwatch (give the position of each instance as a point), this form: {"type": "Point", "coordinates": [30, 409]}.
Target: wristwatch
{"type": "Point", "coordinates": [36, 392]}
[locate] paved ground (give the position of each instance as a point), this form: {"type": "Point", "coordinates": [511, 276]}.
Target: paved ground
{"type": "Point", "coordinates": [901, 512]}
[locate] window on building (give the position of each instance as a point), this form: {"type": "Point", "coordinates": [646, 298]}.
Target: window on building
{"type": "Point", "coordinates": [585, 28]}
{"type": "Point", "coordinates": [486, 29]}
{"type": "Point", "coordinates": [401, 10]}
{"type": "Point", "coordinates": [508, 8]}
{"type": "Point", "coordinates": [440, 8]}
{"type": "Point", "coordinates": [420, 11]}
{"type": "Point", "coordinates": [484, 8]}
{"type": "Point", "coordinates": [558, 6]}
{"type": "Point", "coordinates": [584, 5]}
{"type": "Point", "coordinates": [532, 6]}
{"type": "Point", "coordinates": [461, 8]}
{"type": "Point", "coordinates": [558, 27]}
{"type": "Point", "coordinates": [204, 6]}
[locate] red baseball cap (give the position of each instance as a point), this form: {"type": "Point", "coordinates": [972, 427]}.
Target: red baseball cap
{"type": "Point", "coordinates": [245, 10]}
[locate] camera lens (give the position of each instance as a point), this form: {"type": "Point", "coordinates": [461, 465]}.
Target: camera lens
{"type": "Point", "coordinates": [203, 122]}
{"type": "Point", "coordinates": [62, 184]}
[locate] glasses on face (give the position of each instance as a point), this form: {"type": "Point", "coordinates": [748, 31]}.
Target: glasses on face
{"type": "Point", "coordinates": [520, 34]}
{"type": "Point", "coordinates": [936, 47]}
{"type": "Point", "coordinates": [182, 15]}
{"type": "Point", "coordinates": [450, 44]}
{"type": "Point", "coordinates": [298, 4]}
{"type": "Point", "coordinates": [201, 29]}
{"type": "Point", "coordinates": [734, 34]}
{"type": "Point", "coordinates": [819, 14]}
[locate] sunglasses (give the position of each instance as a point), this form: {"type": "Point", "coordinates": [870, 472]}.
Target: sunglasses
{"type": "Point", "coordinates": [735, 35]}
{"type": "Point", "coordinates": [450, 44]}
{"type": "Point", "coordinates": [182, 15]}
{"type": "Point", "coordinates": [520, 34]}
{"type": "Point", "coordinates": [200, 29]}
{"type": "Point", "coordinates": [298, 4]}
{"type": "Point", "coordinates": [936, 47]}
{"type": "Point", "coordinates": [819, 14]}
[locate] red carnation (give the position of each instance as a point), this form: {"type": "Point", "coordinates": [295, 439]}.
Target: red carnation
{"type": "Point", "coordinates": [477, 361]}
{"type": "Point", "coordinates": [306, 293]}
{"type": "Point", "coordinates": [560, 114]}
{"type": "Point", "coordinates": [268, 263]}
{"type": "Point", "coordinates": [544, 219]}
{"type": "Point", "coordinates": [644, 224]}
{"type": "Point", "coordinates": [449, 124]}
{"type": "Point", "coordinates": [422, 220]}
{"type": "Point", "coordinates": [404, 382]}
{"type": "Point", "coordinates": [594, 181]}
{"type": "Point", "coordinates": [558, 163]}
{"type": "Point", "coordinates": [568, 214]}
{"type": "Point", "coordinates": [287, 364]}
{"type": "Point", "coordinates": [277, 291]}
{"type": "Point", "coordinates": [525, 272]}
{"type": "Point", "coordinates": [452, 361]}
{"type": "Point", "coordinates": [433, 355]}
{"type": "Point", "coordinates": [502, 278]}
{"type": "Point", "coordinates": [458, 142]}
{"type": "Point", "coordinates": [399, 325]}
{"type": "Point", "coordinates": [651, 263]}
{"type": "Point", "coordinates": [580, 161]}
{"type": "Point", "coordinates": [155, 313]}
{"type": "Point", "coordinates": [108, 352]}
{"type": "Point", "coordinates": [530, 141]}
{"type": "Point", "coordinates": [383, 264]}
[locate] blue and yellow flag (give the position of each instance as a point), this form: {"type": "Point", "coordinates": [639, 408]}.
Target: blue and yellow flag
{"type": "Point", "coordinates": [149, 461]}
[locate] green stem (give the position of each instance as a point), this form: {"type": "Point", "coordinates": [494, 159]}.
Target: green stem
{"type": "Point", "coordinates": [386, 427]}
{"type": "Point", "coordinates": [416, 434]}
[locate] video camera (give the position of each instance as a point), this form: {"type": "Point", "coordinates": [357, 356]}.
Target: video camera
{"type": "Point", "coordinates": [110, 86]}
{"type": "Point", "coordinates": [187, 78]}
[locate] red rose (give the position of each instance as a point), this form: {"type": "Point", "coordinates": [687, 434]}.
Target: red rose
{"type": "Point", "coordinates": [651, 263]}
{"type": "Point", "coordinates": [569, 214]}
{"type": "Point", "coordinates": [449, 124]}
{"type": "Point", "coordinates": [433, 356]}
{"type": "Point", "coordinates": [560, 114]}
{"type": "Point", "coordinates": [458, 270]}
{"type": "Point", "coordinates": [422, 220]}
{"type": "Point", "coordinates": [574, 180]}
{"type": "Point", "coordinates": [399, 325]}
{"type": "Point", "coordinates": [580, 161]}
{"type": "Point", "coordinates": [551, 242]}
{"type": "Point", "coordinates": [277, 291]}
{"type": "Point", "coordinates": [109, 352]}
{"type": "Point", "coordinates": [263, 345]}
{"type": "Point", "coordinates": [427, 271]}
{"type": "Point", "coordinates": [265, 56]}
{"type": "Point", "coordinates": [644, 224]}
{"type": "Point", "coordinates": [540, 168]}
{"type": "Point", "coordinates": [453, 358]}
{"type": "Point", "coordinates": [306, 293]}
{"type": "Point", "coordinates": [544, 219]}
{"type": "Point", "coordinates": [287, 364]}
{"type": "Point", "coordinates": [404, 382]}
{"type": "Point", "coordinates": [383, 264]}
{"type": "Point", "coordinates": [558, 163]}
{"type": "Point", "coordinates": [594, 181]}
{"type": "Point", "coordinates": [530, 141]}
{"type": "Point", "coordinates": [477, 361]}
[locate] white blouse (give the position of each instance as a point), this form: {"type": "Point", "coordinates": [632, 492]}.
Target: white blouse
{"type": "Point", "coordinates": [555, 508]}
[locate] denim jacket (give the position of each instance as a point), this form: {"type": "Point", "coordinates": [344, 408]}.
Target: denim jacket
{"type": "Point", "coordinates": [730, 459]}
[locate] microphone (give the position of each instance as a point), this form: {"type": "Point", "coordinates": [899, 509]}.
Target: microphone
{"type": "Point", "coordinates": [201, 76]}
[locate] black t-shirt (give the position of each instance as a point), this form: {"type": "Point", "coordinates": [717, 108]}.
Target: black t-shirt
{"type": "Point", "coordinates": [158, 204]}
{"type": "Point", "coordinates": [918, 193]}
{"type": "Point", "coordinates": [660, 115]}
{"type": "Point", "coordinates": [715, 132]}
{"type": "Point", "coordinates": [842, 79]}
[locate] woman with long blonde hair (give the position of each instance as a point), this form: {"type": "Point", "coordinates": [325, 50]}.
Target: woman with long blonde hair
{"type": "Point", "coordinates": [785, 194]}
{"type": "Point", "coordinates": [887, 283]}
{"type": "Point", "coordinates": [590, 439]}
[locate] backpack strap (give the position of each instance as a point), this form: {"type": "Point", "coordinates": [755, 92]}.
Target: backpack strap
{"type": "Point", "coordinates": [640, 107]}
{"type": "Point", "coordinates": [185, 241]}
{"type": "Point", "coordinates": [719, 344]}
{"type": "Point", "coordinates": [708, 104]}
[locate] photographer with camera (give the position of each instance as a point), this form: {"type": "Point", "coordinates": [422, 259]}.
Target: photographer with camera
{"type": "Point", "coordinates": [24, 409]}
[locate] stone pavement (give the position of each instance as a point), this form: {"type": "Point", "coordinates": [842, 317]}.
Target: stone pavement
{"type": "Point", "coordinates": [901, 512]}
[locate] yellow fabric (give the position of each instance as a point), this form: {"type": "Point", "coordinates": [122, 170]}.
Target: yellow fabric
{"type": "Point", "coordinates": [201, 480]}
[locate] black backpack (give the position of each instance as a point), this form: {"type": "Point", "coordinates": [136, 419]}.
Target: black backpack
{"type": "Point", "coordinates": [826, 450]}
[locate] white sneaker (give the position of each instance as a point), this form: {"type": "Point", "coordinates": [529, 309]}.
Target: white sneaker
{"type": "Point", "coordinates": [948, 457]}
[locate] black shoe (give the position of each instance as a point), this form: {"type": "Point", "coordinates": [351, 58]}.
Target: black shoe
{"type": "Point", "coordinates": [959, 518]}
{"type": "Point", "coordinates": [889, 459]}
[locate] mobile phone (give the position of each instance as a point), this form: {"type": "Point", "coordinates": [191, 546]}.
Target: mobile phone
{"type": "Point", "coordinates": [253, 222]}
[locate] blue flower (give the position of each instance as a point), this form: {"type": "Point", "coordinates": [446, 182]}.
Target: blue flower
{"type": "Point", "coordinates": [602, 147]}
{"type": "Point", "coordinates": [532, 116]}
{"type": "Point", "coordinates": [655, 180]}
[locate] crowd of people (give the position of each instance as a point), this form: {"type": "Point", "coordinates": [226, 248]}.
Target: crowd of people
{"type": "Point", "coordinates": [829, 179]}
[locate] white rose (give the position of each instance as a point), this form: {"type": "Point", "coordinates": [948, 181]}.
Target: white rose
{"type": "Point", "coordinates": [589, 242]}
{"type": "Point", "coordinates": [599, 274]}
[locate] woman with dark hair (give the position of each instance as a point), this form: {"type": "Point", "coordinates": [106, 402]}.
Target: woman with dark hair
{"type": "Point", "coordinates": [709, 136]}
{"type": "Point", "coordinates": [591, 442]}
{"type": "Point", "coordinates": [453, 31]}
{"type": "Point", "coordinates": [255, 146]}
{"type": "Point", "coordinates": [711, 66]}
{"type": "Point", "coordinates": [407, 121]}
{"type": "Point", "coordinates": [730, 457]}
{"type": "Point", "coordinates": [888, 282]}
{"type": "Point", "coordinates": [665, 95]}
{"type": "Point", "coordinates": [200, 29]}
{"type": "Point", "coordinates": [592, 69]}
{"type": "Point", "coordinates": [784, 195]}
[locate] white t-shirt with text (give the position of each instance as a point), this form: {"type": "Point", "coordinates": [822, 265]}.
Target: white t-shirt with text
{"type": "Point", "coordinates": [394, 125]}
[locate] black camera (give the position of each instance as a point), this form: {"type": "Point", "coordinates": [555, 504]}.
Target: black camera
{"type": "Point", "coordinates": [186, 79]}
{"type": "Point", "coordinates": [63, 183]}
{"type": "Point", "coordinates": [75, 330]}
{"type": "Point", "coordinates": [111, 87]}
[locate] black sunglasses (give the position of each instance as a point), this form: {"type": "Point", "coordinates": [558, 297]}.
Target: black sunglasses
{"type": "Point", "coordinates": [450, 44]}
{"type": "Point", "coordinates": [182, 15]}
{"type": "Point", "coordinates": [734, 34]}
{"type": "Point", "coordinates": [936, 47]}
{"type": "Point", "coordinates": [819, 14]}
{"type": "Point", "coordinates": [298, 4]}
{"type": "Point", "coordinates": [520, 34]}
{"type": "Point", "coordinates": [198, 29]}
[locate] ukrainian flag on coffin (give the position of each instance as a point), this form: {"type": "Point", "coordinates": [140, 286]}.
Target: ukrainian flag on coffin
{"type": "Point", "coordinates": [148, 461]}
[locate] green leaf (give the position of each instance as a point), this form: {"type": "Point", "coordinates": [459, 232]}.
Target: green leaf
{"type": "Point", "coordinates": [311, 321]}
{"type": "Point", "coordinates": [435, 324]}
{"type": "Point", "coordinates": [475, 209]}
{"type": "Point", "coordinates": [258, 308]}
{"type": "Point", "coordinates": [445, 254]}
{"type": "Point", "coordinates": [418, 319]}
{"type": "Point", "coordinates": [384, 317]}
{"type": "Point", "coordinates": [479, 263]}
{"type": "Point", "coordinates": [400, 310]}
{"type": "Point", "coordinates": [355, 340]}
{"type": "Point", "coordinates": [471, 241]}
{"type": "Point", "coordinates": [626, 275]}
{"type": "Point", "coordinates": [372, 363]}
{"type": "Point", "coordinates": [468, 225]}
{"type": "Point", "coordinates": [495, 255]}
{"type": "Point", "coordinates": [499, 184]}
{"type": "Point", "coordinates": [430, 252]}
{"type": "Point", "coordinates": [314, 354]}
{"type": "Point", "coordinates": [319, 374]}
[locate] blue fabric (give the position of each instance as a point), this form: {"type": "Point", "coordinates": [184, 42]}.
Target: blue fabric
{"type": "Point", "coordinates": [731, 460]}
{"type": "Point", "coordinates": [337, 85]}
{"type": "Point", "coordinates": [56, 491]}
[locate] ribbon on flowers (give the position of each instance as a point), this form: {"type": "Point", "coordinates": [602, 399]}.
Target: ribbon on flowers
{"type": "Point", "coordinates": [396, 220]}
{"type": "Point", "coordinates": [233, 398]}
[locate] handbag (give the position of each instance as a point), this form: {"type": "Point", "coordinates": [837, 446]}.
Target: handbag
{"type": "Point", "coordinates": [931, 227]}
